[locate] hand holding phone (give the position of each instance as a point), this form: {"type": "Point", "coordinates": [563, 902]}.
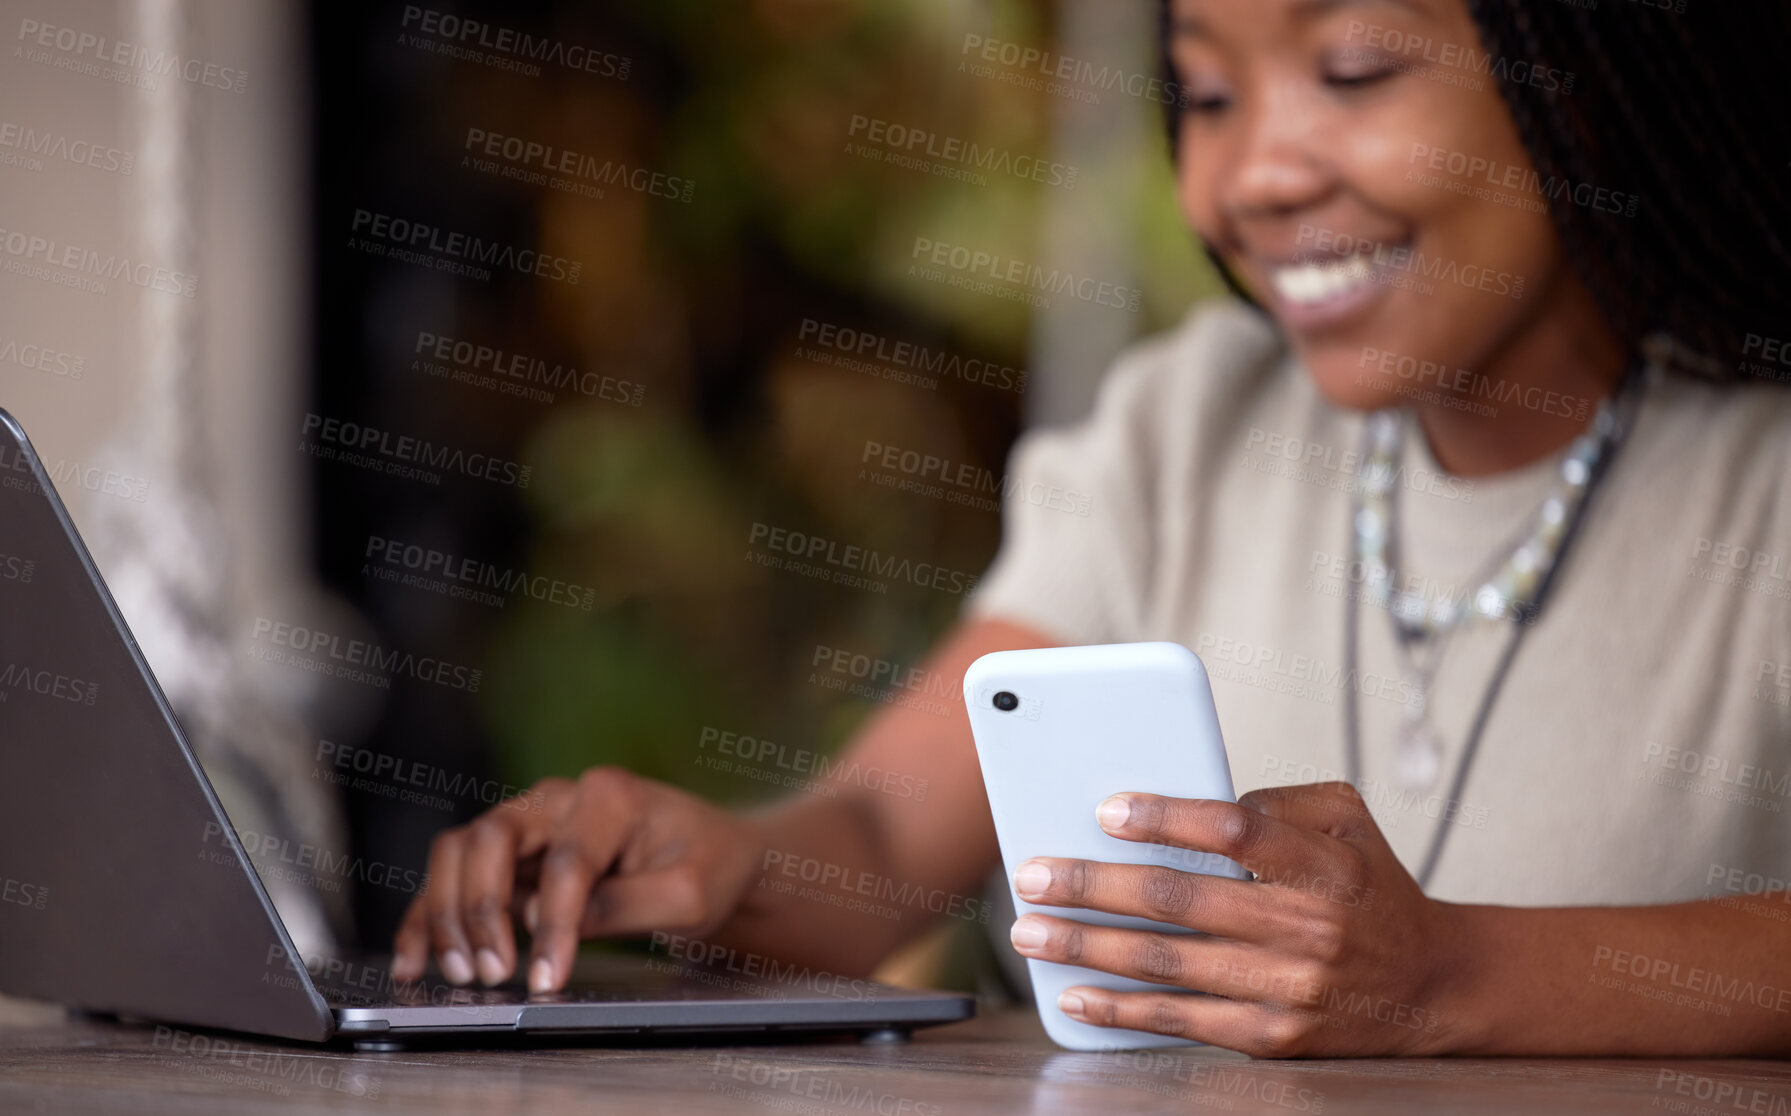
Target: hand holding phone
{"type": "Point", "coordinates": [1060, 729]}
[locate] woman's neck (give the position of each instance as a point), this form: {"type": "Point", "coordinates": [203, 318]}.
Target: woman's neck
{"type": "Point", "coordinates": [1543, 389]}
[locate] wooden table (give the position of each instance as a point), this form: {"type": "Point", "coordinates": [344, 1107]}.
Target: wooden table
{"type": "Point", "coordinates": [998, 1063]}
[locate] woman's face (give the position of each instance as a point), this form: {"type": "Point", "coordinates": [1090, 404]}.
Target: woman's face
{"type": "Point", "coordinates": [1339, 158]}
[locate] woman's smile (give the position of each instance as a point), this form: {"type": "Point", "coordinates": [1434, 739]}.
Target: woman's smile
{"type": "Point", "coordinates": [1321, 291]}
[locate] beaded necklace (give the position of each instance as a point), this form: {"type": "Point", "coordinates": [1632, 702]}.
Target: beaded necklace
{"type": "Point", "coordinates": [1512, 589]}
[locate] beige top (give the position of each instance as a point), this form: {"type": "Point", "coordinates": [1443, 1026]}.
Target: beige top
{"type": "Point", "coordinates": [1640, 749]}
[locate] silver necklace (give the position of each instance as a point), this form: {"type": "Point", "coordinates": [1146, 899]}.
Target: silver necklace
{"type": "Point", "coordinates": [1515, 591]}
{"type": "Point", "coordinates": [1505, 590]}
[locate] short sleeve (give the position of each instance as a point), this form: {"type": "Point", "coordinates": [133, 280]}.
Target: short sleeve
{"type": "Point", "coordinates": [1090, 510]}
{"type": "Point", "coordinates": [1076, 533]}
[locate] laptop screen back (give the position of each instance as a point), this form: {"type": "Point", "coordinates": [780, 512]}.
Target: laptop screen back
{"type": "Point", "coordinates": [123, 887]}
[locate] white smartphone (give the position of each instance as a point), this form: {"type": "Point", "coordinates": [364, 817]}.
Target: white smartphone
{"type": "Point", "coordinates": [1057, 730]}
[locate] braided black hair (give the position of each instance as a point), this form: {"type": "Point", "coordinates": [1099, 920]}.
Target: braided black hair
{"type": "Point", "coordinates": [1685, 111]}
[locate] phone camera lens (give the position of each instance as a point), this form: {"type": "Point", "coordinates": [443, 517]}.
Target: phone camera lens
{"type": "Point", "coordinates": [1006, 702]}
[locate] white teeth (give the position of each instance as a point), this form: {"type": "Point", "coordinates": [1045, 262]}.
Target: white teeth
{"type": "Point", "coordinates": [1311, 283]}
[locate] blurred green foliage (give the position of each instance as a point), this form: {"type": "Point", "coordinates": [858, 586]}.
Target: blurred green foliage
{"type": "Point", "coordinates": [703, 302]}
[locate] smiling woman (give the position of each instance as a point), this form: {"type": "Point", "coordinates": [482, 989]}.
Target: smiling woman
{"type": "Point", "coordinates": [1484, 543]}
{"type": "Point", "coordinates": [1378, 168]}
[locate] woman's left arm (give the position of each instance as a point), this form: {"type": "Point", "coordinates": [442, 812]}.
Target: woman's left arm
{"type": "Point", "coordinates": [1334, 950]}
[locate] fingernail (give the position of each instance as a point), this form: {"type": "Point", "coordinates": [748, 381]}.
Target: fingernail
{"type": "Point", "coordinates": [1113, 812]}
{"type": "Point", "coordinates": [1032, 878]}
{"type": "Point", "coordinates": [531, 913]}
{"type": "Point", "coordinates": [1070, 1003]}
{"type": "Point", "coordinates": [1028, 933]}
{"type": "Point", "coordinates": [491, 967]}
{"type": "Point", "coordinates": [403, 968]}
{"type": "Point", "coordinates": [541, 975]}
{"type": "Point", "coordinates": [456, 967]}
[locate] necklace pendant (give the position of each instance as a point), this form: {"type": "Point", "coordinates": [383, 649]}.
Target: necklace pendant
{"type": "Point", "coordinates": [1416, 762]}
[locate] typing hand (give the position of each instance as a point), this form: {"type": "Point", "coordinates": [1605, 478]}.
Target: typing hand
{"type": "Point", "coordinates": [610, 854]}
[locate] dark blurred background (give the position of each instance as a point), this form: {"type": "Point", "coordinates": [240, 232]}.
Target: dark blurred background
{"type": "Point", "coordinates": [668, 262]}
{"type": "Point", "coordinates": [697, 297]}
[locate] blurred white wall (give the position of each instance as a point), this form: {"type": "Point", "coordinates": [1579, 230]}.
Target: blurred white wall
{"type": "Point", "coordinates": [248, 172]}
{"type": "Point", "coordinates": [1074, 344]}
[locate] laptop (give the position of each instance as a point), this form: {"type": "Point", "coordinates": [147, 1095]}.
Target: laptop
{"type": "Point", "coordinates": [125, 891]}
